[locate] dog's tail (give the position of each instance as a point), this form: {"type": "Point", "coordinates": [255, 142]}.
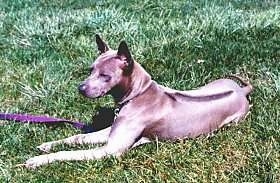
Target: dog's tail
{"type": "Point", "coordinates": [247, 86]}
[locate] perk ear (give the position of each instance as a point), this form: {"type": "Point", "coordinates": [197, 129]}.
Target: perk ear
{"type": "Point", "coordinates": [124, 53]}
{"type": "Point", "coordinates": [101, 45]}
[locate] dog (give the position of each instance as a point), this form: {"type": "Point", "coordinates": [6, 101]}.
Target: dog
{"type": "Point", "coordinates": [147, 110]}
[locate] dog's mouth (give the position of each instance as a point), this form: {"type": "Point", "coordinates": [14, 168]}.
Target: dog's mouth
{"type": "Point", "coordinates": [102, 94]}
{"type": "Point", "coordinates": [94, 95]}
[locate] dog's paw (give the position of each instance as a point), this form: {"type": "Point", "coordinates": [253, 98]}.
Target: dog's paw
{"type": "Point", "coordinates": [45, 147]}
{"type": "Point", "coordinates": [36, 161]}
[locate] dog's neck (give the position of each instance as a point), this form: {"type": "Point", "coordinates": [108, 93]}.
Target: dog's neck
{"type": "Point", "coordinates": [131, 86]}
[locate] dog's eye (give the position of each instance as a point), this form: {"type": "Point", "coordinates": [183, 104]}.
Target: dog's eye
{"type": "Point", "coordinates": [106, 77]}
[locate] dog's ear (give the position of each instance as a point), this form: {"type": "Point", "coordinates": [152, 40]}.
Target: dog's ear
{"type": "Point", "coordinates": [124, 53]}
{"type": "Point", "coordinates": [101, 45]}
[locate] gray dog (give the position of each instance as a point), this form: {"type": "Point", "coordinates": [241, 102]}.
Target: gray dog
{"type": "Point", "coordinates": [147, 109]}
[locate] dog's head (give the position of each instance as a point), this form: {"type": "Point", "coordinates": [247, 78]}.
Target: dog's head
{"type": "Point", "coordinates": [108, 70]}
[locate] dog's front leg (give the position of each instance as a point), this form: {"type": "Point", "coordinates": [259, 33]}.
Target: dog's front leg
{"type": "Point", "coordinates": [89, 138]}
{"type": "Point", "coordinates": [121, 139]}
{"type": "Point", "coordinates": [66, 156]}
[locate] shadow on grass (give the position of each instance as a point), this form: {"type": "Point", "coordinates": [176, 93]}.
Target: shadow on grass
{"type": "Point", "coordinates": [103, 119]}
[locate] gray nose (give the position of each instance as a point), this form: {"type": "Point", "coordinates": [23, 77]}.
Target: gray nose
{"type": "Point", "coordinates": [82, 88]}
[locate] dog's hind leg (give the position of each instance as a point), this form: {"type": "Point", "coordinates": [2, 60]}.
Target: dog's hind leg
{"type": "Point", "coordinates": [89, 138]}
{"type": "Point", "coordinates": [141, 141]}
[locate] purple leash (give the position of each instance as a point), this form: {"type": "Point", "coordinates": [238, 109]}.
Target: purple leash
{"type": "Point", "coordinates": [28, 118]}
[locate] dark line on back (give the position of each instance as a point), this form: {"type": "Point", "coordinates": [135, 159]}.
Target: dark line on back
{"type": "Point", "coordinates": [204, 98]}
{"type": "Point", "coordinates": [171, 96]}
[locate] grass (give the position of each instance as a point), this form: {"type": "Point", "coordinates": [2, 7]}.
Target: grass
{"type": "Point", "coordinates": [46, 47]}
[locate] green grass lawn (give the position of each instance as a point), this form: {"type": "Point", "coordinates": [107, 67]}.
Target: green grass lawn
{"type": "Point", "coordinates": [47, 46]}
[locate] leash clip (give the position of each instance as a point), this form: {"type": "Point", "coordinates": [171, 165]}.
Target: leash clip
{"type": "Point", "coordinates": [116, 112]}
{"type": "Point", "coordinates": [118, 109]}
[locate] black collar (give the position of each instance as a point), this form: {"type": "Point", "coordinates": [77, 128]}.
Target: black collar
{"type": "Point", "coordinates": [120, 106]}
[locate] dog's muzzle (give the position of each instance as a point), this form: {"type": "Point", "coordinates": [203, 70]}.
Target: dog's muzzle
{"type": "Point", "coordinates": [86, 91]}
